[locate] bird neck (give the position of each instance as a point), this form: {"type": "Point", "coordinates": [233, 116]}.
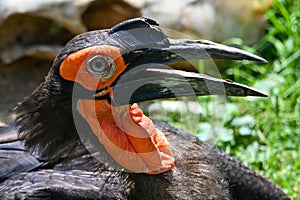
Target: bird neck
{"type": "Point", "coordinates": [45, 122]}
{"type": "Point", "coordinates": [129, 136]}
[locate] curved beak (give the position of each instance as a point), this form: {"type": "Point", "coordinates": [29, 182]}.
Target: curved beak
{"type": "Point", "coordinates": [147, 50]}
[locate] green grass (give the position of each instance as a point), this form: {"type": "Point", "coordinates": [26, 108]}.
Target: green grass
{"type": "Point", "coordinates": [273, 146]}
{"type": "Point", "coordinates": [262, 132]}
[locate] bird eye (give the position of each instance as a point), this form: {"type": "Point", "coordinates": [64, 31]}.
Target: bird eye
{"type": "Point", "coordinates": [97, 64]}
{"type": "Point", "coordinates": [100, 67]}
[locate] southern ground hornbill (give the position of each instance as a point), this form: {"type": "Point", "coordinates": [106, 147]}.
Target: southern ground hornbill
{"type": "Point", "coordinates": [83, 136]}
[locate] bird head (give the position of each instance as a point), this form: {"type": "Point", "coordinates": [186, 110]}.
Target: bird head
{"type": "Point", "coordinates": [101, 75]}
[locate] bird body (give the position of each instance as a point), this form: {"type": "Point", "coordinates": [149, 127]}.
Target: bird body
{"type": "Point", "coordinates": [88, 138]}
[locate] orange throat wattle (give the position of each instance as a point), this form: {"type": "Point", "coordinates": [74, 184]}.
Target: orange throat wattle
{"type": "Point", "coordinates": [129, 136]}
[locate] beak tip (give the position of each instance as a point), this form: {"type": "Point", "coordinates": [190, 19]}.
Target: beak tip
{"type": "Point", "coordinates": [255, 58]}
{"type": "Point", "coordinates": [258, 94]}
{"type": "Point", "coordinates": [262, 60]}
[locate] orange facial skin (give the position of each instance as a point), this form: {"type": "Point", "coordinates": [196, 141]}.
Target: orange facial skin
{"type": "Point", "coordinates": [129, 136]}
{"type": "Point", "coordinates": [73, 68]}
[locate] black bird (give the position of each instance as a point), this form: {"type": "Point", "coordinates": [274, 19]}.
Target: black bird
{"type": "Point", "coordinates": [82, 135]}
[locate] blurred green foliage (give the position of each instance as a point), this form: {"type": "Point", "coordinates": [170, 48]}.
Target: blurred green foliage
{"type": "Point", "coordinates": [262, 132]}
